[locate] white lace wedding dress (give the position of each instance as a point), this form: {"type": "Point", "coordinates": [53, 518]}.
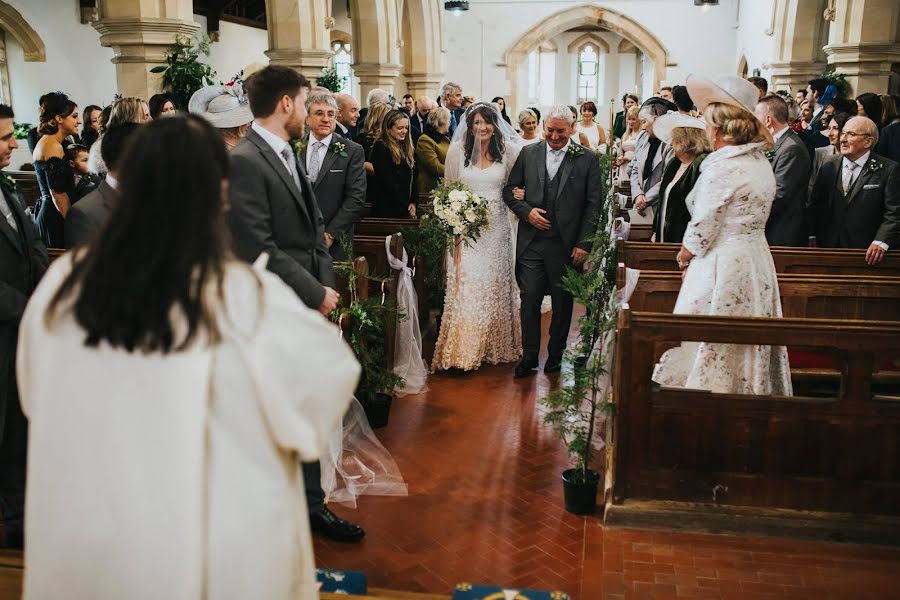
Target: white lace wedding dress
{"type": "Point", "coordinates": [481, 308]}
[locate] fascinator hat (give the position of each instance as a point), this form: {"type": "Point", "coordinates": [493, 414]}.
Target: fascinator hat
{"type": "Point", "coordinates": [664, 126]}
{"type": "Point", "coordinates": [725, 89]}
{"type": "Point", "coordinates": [224, 106]}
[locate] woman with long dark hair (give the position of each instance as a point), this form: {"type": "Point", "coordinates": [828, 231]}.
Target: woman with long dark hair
{"type": "Point", "coordinates": [178, 389]}
{"type": "Point", "coordinates": [869, 105]}
{"type": "Point", "coordinates": [500, 101]}
{"type": "Point", "coordinates": [161, 105]}
{"type": "Point", "coordinates": [393, 159]}
{"type": "Point", "coordinates": [58, 120]}
{"type": "Point", "coordinates": [91, 130]}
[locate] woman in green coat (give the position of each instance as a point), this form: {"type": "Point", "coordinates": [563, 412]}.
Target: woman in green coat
{"type": "Point", "coordinates": [431, 149]}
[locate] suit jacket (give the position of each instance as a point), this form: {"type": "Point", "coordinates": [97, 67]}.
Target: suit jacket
{"type": "Point", "coordinates": [869, 212]}
{"type": "Point", "coordinates": [889, 142]}
{"type": "Point", "coordinates": [792, 167]}
{"type": "Point", "coordinates": [416, 126]}
{"type": "Point", "coordinates": [577, 199]}
{"type": "Point", "coordinates": [430, 158]}
{"type": "Point", "coordinates": [86, 218]}
{"type": "Point", "coordinates": [648, 187]}
{"type": "Point", "coordinates": [270, 214]}
{"type": "Point", "coordinates": [23, 260]}
{"type": "Point", "coordinates": [340, 190]}
{"type": "Point", "coordinates": [676, 217]}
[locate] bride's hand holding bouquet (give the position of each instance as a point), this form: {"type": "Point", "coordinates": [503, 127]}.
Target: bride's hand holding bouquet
{"type": "Point", "coordinates": [461, 212]}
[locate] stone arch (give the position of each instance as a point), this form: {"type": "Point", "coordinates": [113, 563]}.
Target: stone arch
{"type": "Point", "coordinates": [627, 47]}
{"type": "Point", "coordinates": [579, 16]}
{"type": "Point", "coordinates": [589, 38]}
{"type": "Point", "coordinates": [15, 24]}
{"type": "Point", "coordinates": [343, 37]}
{"type": "Point", "coordinates": [377, 43]}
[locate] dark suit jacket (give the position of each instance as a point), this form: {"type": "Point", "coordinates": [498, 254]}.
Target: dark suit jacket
{"type": "Point", "coordinates": [792, 167]}
{"type": "Point", "coordinates": [577, 199]}
{"type": "Point", "coordinates": [86, 218]}
{"type": "Point", "coordinates": [270, 214]}
{"type": "Point", "coordinates": [23, 260]}
{"type": "Point", "coordinates": [677, 216]}
{"type": "Point", "coordinates": [889, 142]}
{"type": "Point", "coordinates": [869, 212]}
{"type": "Point", "coordinates": [340, 190]}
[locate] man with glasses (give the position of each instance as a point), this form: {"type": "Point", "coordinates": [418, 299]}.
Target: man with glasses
{"type": "Point", "coordinates": [856, 195]}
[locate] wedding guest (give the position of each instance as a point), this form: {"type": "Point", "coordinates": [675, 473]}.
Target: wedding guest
{"type": "Point", "coordinates": [501, 104]}
{"type": "Point", "coordinates": [467, 101]}
{"type": "Point", "coordinates": [91, 213]}
{"type": "Point", "coordinates": [229, 380]}
{"type": "Point", "coordinates": [408, 104]}
{"type": "Point", "coordinates": [161, 105]}
{"type": "Point", "coordinates": [59, 119]}
{"type": "Point", "coordinates": [682, 100]}
{"type": "Point", "coordinates": [348, 116]}
{"type": "Point", "coordinates": [91, 129]}
{"type": "Point", "coordinates": [628, 100]}
{"type": "Point", "coordinates": [815, 91]}
{"type": "Point", "coordinates": [727, 263]}
{"type": "Point", "coordinates": [889, 113]}
{"type": "Point", "coordinates": [856, 196]}
{"type": "Point", "coordinates": [806, 115]}
{"type": "Point", "coordinates": [838, 120]}
{"type": "Point", "coordinates": [123, 110]}
{"type": "Point", "coordinates": [589, 133]}
{"type": "Point", "coordinates": [335, 169]}
{"type": "Point", "coordinates": [367, 137]}
{"type": "Point", "coordinates": [85, 181]}
{"type": "Point", "coordinates": [800, 97]}
{"type": "Point", "coordinates": [528, 123]}
{"type": "Point", "coordinates": [869, 105]}
{"type": "Point", "coordinates": [792, 166]}
{"type": "Point", "coordinates": [417, 122]}
{"type": "Point", "coordinates": [451, 99]}
{"type": "Point", "coordinates": [394, 195]}
{"type": "Point", "coordinates": [23, 260]}
{"type": "Point", "coordinates": [650, 155]}
{"type": "Point", "coordinates": [431, 150]}
{"type": "Point", "coordinates": [104, 119]}
{"type": "Point", "coordinates": [687, 138]}
{"type": "Point", "coordinates": [627, 143]}
{"type": "Point", "coordinates": [889, 142]}
{"type": "Point", "coordinates": [762, 86]}
{"type": "Point", "coordinates": [666, 93]}
{"type": "Point", "coordinates": [226, 107]}
{"type": "Point", "coordinates": [375, 96]}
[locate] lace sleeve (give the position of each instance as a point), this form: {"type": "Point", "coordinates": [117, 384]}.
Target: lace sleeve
{"type": "Point", "coordinates": [453, 164]}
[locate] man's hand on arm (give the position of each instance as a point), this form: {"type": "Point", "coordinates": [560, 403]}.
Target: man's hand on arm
{"type": "Point", "coordinates": [537, 220]}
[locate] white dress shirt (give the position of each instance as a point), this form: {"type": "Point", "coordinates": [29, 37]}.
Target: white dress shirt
{"type": "Point", "coordinates": [276, 142]}
{"type": "Point", "coordinates": [780, 134]}
{"type": "Point", "coordinates": [555, 158]}
{"type": "Point", "coordinates": [322, 150]}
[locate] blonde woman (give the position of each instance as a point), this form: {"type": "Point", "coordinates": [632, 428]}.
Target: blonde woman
{"type": "Point", "coordinates": [626, 144]}
{"type": "Point", "coordinates": [431, 149]}
{"type": "Point", "coordinates": [724, 253]}
{"type": "Point", "coordinates": [393, 195]}
{"type": "Point", "coordinates": [528, 123]}
{"type": "Point", "coordinates": [124, 110]}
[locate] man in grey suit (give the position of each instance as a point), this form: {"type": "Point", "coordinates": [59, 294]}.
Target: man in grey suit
{"type": "Point", "coordinates": [335, 169]}
{"type": "Point", "coordinates": [650, 154]}
{"type": "Point", "coordinates": [562, 194]}
{"type": "Point", "coordinates": [87, 217]}
{"type": "Point", "coordinates": [856, 195]}
{"type": "Point", "coordinates": [792, 166]}
{"type": "Point", "coordinates": [23, 260]}
{"type": "Point", "coordinates": [273, 210]}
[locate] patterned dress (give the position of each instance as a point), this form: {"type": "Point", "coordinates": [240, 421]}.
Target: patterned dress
{"type": "Point", "coordinates": [481, 307]}
{"type": "Point", "coordinates": [732, 273]}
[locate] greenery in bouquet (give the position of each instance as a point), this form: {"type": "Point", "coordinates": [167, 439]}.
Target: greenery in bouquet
{"type": "Point", "coordinates": [462, 212]}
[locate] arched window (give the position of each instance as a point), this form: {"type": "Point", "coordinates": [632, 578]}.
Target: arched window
{"type": "Point", "coordinates": [342, 60]}
{"type": "Point", "coordinates": [588, 73]}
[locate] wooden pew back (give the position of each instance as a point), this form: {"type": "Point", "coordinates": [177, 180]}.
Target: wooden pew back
{"type": "Point", "coordinates": [28, 184]}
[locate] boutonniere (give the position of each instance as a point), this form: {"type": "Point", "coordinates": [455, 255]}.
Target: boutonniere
{"type": "Point", "coordinates": [574, 150]}
{"type": "Point", "coordinates": [770, 155]}
{"type": "Point", "coordinates": [8, 184]}
{"type": "Point", "coordinates": [339, 149]}
{"type": "Point", "coordinates": [298, 146]}
{"type": "Point", "coordinates": [873, 166]}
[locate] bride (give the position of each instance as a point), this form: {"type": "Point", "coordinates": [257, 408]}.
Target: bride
{"type": "Point", "coordinates": [481, 308]}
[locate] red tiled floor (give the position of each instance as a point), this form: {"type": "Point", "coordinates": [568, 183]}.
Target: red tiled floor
{"type": "Point", "coordinates": [485, 505]}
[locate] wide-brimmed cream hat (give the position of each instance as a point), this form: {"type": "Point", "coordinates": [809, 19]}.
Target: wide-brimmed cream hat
{"type": "Point", "coordinates": [664, 126]}
{"type": "Point", "coordinates": [224, 106]}
{"type": "Point", "coordinates": [725, 89]}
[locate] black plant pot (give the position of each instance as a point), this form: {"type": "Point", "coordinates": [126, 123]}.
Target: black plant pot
{"type": "Point", "coordinates": [378, 409]}
{"type": "Point", "coordinates": [580, 498]}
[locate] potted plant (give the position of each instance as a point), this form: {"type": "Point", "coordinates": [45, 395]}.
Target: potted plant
{"type": "Point", "coordinates": [573, 409]}
{"type": "Point", "coordinates": [362, 322]}
{"type": "Point", "coordinates": [329, 80]}
{"type": "Point", "coordinates": [183, 74]}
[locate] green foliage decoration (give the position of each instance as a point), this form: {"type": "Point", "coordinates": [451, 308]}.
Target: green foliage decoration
{"type": "Point", "coordinates": [20, 130]}
{"type": "Point", "coordinates": [429, 241]}
{"type": "Point", "coordinates": [329, 80]}
{"type": "Point", "coordinates": [840, 82]}
{"type": "Point", "coordinates": [183, 74]}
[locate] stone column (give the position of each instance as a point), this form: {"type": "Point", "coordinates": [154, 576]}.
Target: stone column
{"type": "Point", "coordinates": [5, 95]}
{"type": "Point", "coordinates": [141, 34]}
{"type": "Point", "coordinates": [800, 33]}
{"type": "Point", "coordinates": [299, 35]}
{"type": "Point", "coordinates": [863, 43]}
{"type": "Point", "coordinates": [422, 43]}
{"type": "Point", "coordinates": [376, 44]}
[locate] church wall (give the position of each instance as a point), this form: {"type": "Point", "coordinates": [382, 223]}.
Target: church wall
{"type": "Point", "coordinates": [752, 41]}
{"type": "Point", "coordinates": [238, 47]}
{"type": "Point", "coordinates": [702, 42]}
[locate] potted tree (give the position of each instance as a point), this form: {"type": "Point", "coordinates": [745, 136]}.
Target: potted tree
{"type": "Point", "coordinates": [574, 408]}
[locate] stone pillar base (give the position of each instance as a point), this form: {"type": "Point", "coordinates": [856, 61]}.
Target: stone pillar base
{"type": "Point", "coordinates": [867, 66]}
{"type": "Point", "coordinates": [307, 61]}
{"type": "Point", "coordinates": [373, 76]}
{"type": "Point", "coordinates": [424, 84]}
{"type": "Point", "coordinates": [794, 75]}
{"type": "Point", "coordinates": [139, 45]}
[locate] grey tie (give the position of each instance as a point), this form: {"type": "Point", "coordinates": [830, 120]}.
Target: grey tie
{"type": "Point", "coordinates": [291, 160]}
{"type": "Point", "coordinates": [849, 172]}
{"type": "Point", "coordinates": [6, 211]}
{"type": "Point", "coordinates": [315, 161]}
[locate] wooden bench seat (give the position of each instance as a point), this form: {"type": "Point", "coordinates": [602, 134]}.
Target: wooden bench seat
{"type": "Point", "coordinates": [28, 184]}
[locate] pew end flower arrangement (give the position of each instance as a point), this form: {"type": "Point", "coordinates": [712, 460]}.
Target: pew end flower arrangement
{"type": "Point", "coordinates": [584, 395]}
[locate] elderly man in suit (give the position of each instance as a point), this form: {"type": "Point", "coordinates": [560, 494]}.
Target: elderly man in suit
{"type": "Point", "coordinates": [452, 99]}
{"type": "Point", "coordinates": [348, 116]}
{"type": "Point", "coordinates": [562, 194]}
{"type": "Point", "coordinates": [792, 166]}
{"type": "Point", "coordinates": [273, 210]}
{"type": "Point", "coordinates": [650, 155]}
{"type": "Point", "coordinates": [856, 195]}
{"type": "Point", "coordinates": [335, 169]}
{"type": "Point", "coordinates": [23, 260]}
{"type": "Point", "coordinates": [88, 216]}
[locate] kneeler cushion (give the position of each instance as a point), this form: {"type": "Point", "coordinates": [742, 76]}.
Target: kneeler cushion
{"type": "Point", "coordinates": [469, 591]}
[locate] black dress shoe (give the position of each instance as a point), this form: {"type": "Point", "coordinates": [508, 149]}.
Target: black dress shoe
{"type": "Point", "coordinates": [553, 365]}
{"type": "Point", "coordinates": [325, 522]}
{"type": "Point", "coordinates": [524, 369]}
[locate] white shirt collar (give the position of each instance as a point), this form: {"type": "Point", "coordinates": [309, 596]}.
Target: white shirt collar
{"type": "Point", "coordinates": [861, 161]}
{"type": "Point", "coordinates": [563, 149]}
{"type": "Point", "coordinates": [313, 139]}
{"type": "Point", "coordinates": [780, 134]}
{"type": "Point", "coordinates": [342, 128]}
{"type": "Point", "coordinates": [112, 181]}
{"type": "Point", "coordinates": [272, 139]}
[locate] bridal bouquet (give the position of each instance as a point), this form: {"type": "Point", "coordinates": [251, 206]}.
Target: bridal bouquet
{"type": "Point", "coordinates": [461, 212]}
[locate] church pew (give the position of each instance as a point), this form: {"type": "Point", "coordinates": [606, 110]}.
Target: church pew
{"type": "Point", "coordinates": [28, 184]}
{"type": "Point", "coordinates": [361, 268]}
{"type": "Point", "coordinates": [641, 232]}
{"type": "Point", "coordinates": [827, 261]}
{"type": "Point", "coordinates": [689, 458]}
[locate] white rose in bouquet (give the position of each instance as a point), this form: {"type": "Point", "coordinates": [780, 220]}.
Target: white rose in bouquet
{"type": "Point", "coordinates": [456, 206]}
{"type": "Point", "coordinates": [470, 215]}
{"type": "Point", "coordinates": [457, 196]}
